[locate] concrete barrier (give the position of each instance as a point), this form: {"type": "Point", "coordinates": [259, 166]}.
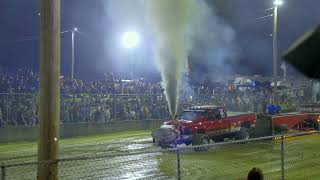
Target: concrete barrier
{"type": "Point", "coordinates": [30, 133]}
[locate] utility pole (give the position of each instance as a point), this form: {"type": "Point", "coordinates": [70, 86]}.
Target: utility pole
{"type": "Point", "coordinates": [275, 54]}
{"type": "Point", "coordinates": [49, 105]}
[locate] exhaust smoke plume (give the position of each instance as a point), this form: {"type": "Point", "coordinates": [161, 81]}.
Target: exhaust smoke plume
{"type": "Point", "coordinates": [180, 28]}
{"type": "Point", "coordinates": [170, 21]}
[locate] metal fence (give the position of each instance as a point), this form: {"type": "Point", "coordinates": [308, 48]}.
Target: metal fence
{"type": "Point", "coordinates": [294, 156]}
{"type": "Point", "coordinates": [22, 109]}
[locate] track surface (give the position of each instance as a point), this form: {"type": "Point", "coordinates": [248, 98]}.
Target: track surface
{"type": "Point", "coordinates": [129, 158]}
{"type": "Point", "coordinates": [130, 155]}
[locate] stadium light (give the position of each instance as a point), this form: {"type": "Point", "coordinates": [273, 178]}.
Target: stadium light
{"type": "Point", "coordinates": [73, 31]}
{"type": "Point", "coordinates": [278, 2]}
{"type": "Point", "coordinates": [130, 39]}
{"type": "Point", "coordinates": [275, 49]}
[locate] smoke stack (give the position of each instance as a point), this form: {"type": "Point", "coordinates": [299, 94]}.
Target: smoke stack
{"type": "Point", "coordinates": [170, 20]}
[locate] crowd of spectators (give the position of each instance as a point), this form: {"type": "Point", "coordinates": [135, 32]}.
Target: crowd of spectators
{"type": "Point", "coordinates": [115, 99]}
{"type": "Point", "coordinates": [256, 100]}
{"type": "Point", "coordinates": [26, 81]}
{"type": "Point", "coordinates": [21, 109]}
{"type": "Point", "coordinates": [22, 81]}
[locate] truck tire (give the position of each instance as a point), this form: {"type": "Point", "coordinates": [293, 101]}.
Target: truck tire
{"type": "Point", "coordinates": [200, 139]}
{"type": "Point", "coordinates": [283, 128]}
{"type": "Point", "coordinates": [243, 134]}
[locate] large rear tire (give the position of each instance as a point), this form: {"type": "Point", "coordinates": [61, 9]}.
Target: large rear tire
{"type": "Point", "coordinates": [200, 139]}
{"type": "Point", "coordinates": [243, 134]}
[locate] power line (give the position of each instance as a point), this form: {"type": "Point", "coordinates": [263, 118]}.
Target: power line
{"type": "Point", "coordinates": [263, 17]}
{"type": "Point", "coordinates": [269, 9]}
{"type": "Point", "coordinates": [27, 39]}
{"type": "Point", "coordinates": [32, 38]}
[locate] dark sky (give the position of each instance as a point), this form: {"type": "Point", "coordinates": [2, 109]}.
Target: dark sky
{"type": "Point", "coordinates": [19, 20]}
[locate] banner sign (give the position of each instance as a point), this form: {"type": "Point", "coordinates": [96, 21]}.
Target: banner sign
{"type": "Point", "coordinates": [310, 108]}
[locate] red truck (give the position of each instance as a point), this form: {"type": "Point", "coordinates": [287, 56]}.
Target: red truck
{"type": "Point", "coordinates": [201, 124]}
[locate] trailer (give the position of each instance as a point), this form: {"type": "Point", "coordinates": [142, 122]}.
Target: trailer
{"type": "Point", "coordinates": [295, 122]}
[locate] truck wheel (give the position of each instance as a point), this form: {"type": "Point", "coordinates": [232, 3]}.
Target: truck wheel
{"type": "Point", "coordinates": [164, 146]}
{"type": "Point", "coordinates": [200, 139]}
{"type": "Point", "coordinates": [243, 134]}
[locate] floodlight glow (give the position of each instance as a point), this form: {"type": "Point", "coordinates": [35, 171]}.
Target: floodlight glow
{"type": "Point", "coordinates": [75, 29]}
{"type": "Point", "coordinates": [278, 2]}
{"type": "Point", "coordinates": [130, 39]}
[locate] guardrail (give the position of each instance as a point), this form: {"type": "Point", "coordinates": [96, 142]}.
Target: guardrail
{"type": "Point", "coordinates": [30, 133]}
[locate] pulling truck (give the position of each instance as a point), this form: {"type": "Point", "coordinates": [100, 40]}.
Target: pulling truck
{"type": "Point", "coordinates": [201, 124]}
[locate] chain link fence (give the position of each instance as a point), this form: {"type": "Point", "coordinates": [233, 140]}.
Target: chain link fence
{"type": "Point", "coordinates": [20, 109]}
{"type": "Point", "coordinates": [294, 156]}
{"type": "Point", "coordinates": [17, 109]}
{"type": "Point", "coordinates": [233, 160]}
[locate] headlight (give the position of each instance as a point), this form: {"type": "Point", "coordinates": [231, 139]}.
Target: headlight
{"type": "Point", "coordinates": [165, 126]}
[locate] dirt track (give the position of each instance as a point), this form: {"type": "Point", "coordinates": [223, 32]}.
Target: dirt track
{"type": "Point", "coordinates": [132, 158]}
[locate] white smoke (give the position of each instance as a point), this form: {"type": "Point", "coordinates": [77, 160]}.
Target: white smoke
{"type": "Point", "coordinates": [213, 43]}
{"type": "Point", "coordinates": [170, 21]}
{"type": "Point", "coordinates": [180, 28]}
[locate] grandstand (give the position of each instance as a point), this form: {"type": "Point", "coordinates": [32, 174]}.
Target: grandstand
{"type": "Point", "coordinates": [112, 99]}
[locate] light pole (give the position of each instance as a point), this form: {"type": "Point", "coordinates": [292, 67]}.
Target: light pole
{"type": "Point", "coordinates": [73, 31]}
{"type": "Point", "coordinates": [275, 51]}
{"type": "Point", "coordinates": [130, 40]}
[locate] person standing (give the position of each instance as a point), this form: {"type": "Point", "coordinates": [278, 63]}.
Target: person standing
{"type": "Point", "coordinates": [255, 174]}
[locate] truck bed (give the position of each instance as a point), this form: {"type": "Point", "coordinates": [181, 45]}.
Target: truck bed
{"type": "Point", "coordinates": [233, 113]}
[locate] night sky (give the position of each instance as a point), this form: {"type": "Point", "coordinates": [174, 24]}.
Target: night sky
{"type": "Point", "coordinates": [98, 43]}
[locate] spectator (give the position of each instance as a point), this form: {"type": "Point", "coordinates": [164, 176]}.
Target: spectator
{"type": "Point", "coordinates": [255, 174]}
{"type": "Point", "coordinates": [100, 100]}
